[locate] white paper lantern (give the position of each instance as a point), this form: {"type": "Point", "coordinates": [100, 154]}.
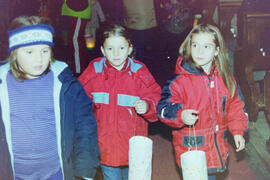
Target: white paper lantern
{"type": "Point", "coordinates": [140, 158]}
{"type": "Point", "coordinates": [194, 165]}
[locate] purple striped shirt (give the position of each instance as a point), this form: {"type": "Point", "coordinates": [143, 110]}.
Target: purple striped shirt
{"type": "Point", "coordinates": [33, 128]}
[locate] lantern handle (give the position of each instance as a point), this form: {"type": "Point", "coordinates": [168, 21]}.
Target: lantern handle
{"type": "Point", "coordinates": [195, 139]}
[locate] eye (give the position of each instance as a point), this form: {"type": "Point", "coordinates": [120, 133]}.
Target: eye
{"type": "Point", "coordinates": [208, 46]}
{"type": "Point", "coordinates": [194, 45]}
{"type": "Point", "coordinates": [122, 48]}
{"type": "Point", "coordinates": [45, 51]}
{"type": "Point", "coordinates": [29, 52]}
{"type": "Point", "coordinates": [109, 48]}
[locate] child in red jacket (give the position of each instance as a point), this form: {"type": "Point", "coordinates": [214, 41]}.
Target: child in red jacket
{"type": "Point", "coordinates": [125, 95]}
{"type": "Point", "coordinates": [204, 93]}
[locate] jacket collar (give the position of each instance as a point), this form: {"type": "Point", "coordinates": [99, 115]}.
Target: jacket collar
{"type": "Point", "coordinates": [185, 67]}
{"type": "Point", "coordinates": [61, 70]}
{"type": "Point", "coordinates": [4, 70]}
{"type": "Point", "coordinates": [110, 66]}
{"type": "Point", "coordinates": [191, 68]}
{"type": "Point", "coordinates": [130, 67]}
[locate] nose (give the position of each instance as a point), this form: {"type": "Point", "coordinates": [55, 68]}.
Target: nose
{"type": "Point", "coordinates": [201, 50]}
{"type": "Point", "coordinates": [116, 52]}
{"type": "Point", "coordinates": [38, 57]}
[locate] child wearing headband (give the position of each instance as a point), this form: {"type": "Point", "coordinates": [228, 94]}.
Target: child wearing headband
{"type": "Point", "coordinates": [47, 126]}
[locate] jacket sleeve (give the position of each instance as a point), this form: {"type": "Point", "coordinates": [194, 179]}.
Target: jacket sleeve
{"type": "Point", "coordinates": [170, 106]}
{"type": "Point", "coordinates": [86, 74]}
{"type": "Point", "coordinates": [85, 77]}
{"type": "Point", "coordinates": [86, 150]}
{"type": "Point", "coordinates": [237, 116]}
{"type": "Point", "coordinates": [150, 92]}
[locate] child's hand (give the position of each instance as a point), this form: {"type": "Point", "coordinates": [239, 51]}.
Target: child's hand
{"type": "Point", "coordinates": [239, 142]}
{"type": "Point", "coordinates": [189, 116]}
{"type": "Point", "coordinates": [141, 106]}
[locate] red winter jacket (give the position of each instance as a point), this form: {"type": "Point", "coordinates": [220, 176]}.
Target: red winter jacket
{"type": "Point", "coordinates": [218, 112]}
{"type": "Point", "coordinates": [114, 94]}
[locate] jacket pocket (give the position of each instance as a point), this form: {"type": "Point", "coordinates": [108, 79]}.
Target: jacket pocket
{"type": "Point", "coordinates": [126, 119]}
{"type": "Point", "coordinates": [100, 97]}
{"type": "Point", "coordinates": [192, 141]}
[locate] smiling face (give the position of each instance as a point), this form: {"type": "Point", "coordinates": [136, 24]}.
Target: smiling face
{"type": "Point", "coordinates": [116, 49]}
{"type": "Point", "coordinates": [203, 50]}
{"type": "Point", "coordinates": [34, 59]}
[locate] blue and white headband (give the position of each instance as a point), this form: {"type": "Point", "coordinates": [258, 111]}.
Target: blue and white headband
{"type": "Point", "coordinates": [30, 35]}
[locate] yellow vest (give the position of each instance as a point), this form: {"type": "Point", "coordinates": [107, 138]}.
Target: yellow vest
{"type": "Point", "coordinates": [84, 14]}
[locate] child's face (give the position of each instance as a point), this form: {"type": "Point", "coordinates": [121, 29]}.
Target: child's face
{"type": "Point", "coordinates": [203, 50]}
{"type": "Point", "coordinates": [34, 59]}
{"type": "Point", "coordinates": [116, 49]}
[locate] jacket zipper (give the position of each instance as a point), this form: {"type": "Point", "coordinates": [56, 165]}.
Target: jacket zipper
{"type": "Point", "coordinates": [212, 117]}
{"type": "Point", "coordinates": [209, 95]}
{"type": "Point", "coordinates": [219, 154]}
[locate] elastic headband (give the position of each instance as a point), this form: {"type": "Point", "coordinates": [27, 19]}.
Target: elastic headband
{"type": "Point", "coordinates": [31, 35]}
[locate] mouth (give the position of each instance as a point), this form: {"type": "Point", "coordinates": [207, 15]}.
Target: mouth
{"type": "Point", "coordinates": [38, 68]}
{"type": "Point", "coordinates": [116, 59]}
{"type": "Point", "coordinates": [200, 58]}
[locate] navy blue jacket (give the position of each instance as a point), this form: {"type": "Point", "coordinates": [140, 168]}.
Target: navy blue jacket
{"type": "Point", "coordinates": [75, 123]}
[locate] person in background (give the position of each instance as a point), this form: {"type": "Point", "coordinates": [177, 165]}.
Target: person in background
{"type": "Point", "coordinates": [47, 128]}
{"type": "Point", "coordinates": [125, 96]}
{"type": "Point", "coordinates": [203, 93]}
{"type": "Point", "coordinates": [92, 26]}
{"type": "Point", "coordinates": [113, 11]}
{"type": "Point", "coordinates": [78, 13]}
{"type": "Point", "coordinates": [140, 19]}
{"type": "Point", "coordinates": [175, 21]}
{"type": "Point", "coordinates": [97, 15]}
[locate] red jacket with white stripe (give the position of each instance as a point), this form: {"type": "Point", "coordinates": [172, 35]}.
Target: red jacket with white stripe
{"type": "Point", "coordinates": [218, 112]}
{"type": "Point", "coordinates": [114, 94]}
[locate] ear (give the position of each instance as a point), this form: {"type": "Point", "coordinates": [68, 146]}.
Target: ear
{"type": "Point", "coordinates": [217, 51]}
{"type": "Point", "coordinates": [130, 49]}
{"type": "Point", "coordinates": [102, 50]}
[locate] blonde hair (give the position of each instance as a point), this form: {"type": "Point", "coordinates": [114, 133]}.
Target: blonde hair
{"type": "Point", "coordinates": [220, 60]}
{"type": "Point", "coordinates": [17, 23]}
